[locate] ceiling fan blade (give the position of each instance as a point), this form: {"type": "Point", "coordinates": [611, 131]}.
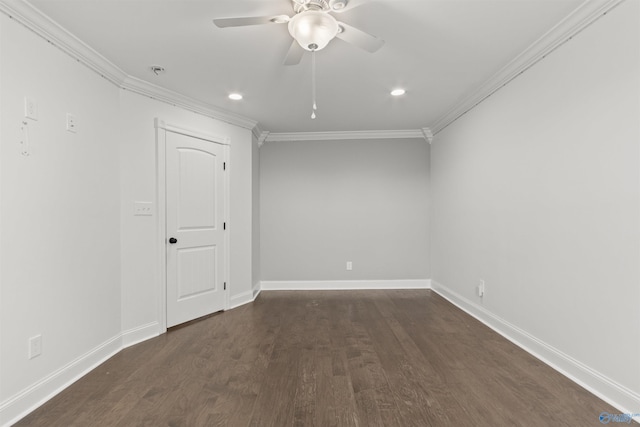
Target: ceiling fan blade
{"type": "Point", "coordinates": [294, 55]}
{"type": "Point", "coordinates": [253, 20]}
{"type": "Point", "coordinates": [359, 38]}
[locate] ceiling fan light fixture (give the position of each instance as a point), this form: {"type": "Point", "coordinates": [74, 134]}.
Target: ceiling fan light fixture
{"type": "Point", "coordinates": [313, 29]}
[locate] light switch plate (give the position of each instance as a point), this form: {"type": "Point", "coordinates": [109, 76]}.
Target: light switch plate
{"type": "Point", "coordinates": [30, 109]}
{"type": "Point", "coordinates": [72, 125]}
{"type": "Point", "coordinates": [143, 208]}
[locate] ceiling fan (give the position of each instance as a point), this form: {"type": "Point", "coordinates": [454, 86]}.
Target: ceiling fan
{"type": "Point", "coordinates": [312, 27]}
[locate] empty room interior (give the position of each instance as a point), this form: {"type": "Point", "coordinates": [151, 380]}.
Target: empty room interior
{"type": "Point", "coordinates": [319, 212]}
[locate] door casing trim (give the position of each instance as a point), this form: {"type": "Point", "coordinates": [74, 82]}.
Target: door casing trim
{"type": "Point", "coordinates": [161, 129]}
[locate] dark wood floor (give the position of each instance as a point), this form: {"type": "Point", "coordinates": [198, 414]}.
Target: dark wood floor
{"type": "Point", "coordinates": [350, 358]}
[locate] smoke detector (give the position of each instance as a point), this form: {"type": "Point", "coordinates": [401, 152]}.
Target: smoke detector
{"type": "Point", "coordinates": [157, 69]}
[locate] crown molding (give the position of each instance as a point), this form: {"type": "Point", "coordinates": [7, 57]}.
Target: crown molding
{"type": "Point", "coordinates": [263, 137]}
{"type": "Point", "coordinates": [335, 136]}
{"type": "Point", "coordinates": [427, 134]}
{"type": "Point", "coordinates": [32, 18]}
{"type": "Point", "coordinates": [36, 21]}
{"type": "Point", "coordinates": [259, 134]}
{"type": "Point", "coordinates": [257, 131]}
{"type": "Point", "coordinates": [139, 86]}
{"type": "Point", "coordinates": [583, 16]}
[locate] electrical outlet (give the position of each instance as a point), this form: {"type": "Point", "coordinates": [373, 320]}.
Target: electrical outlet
{"type": "Point", "coordinates": [71, 123]}
{"type": "Point", "coordinates": [143, 208]}
{"type": "Point", "coordinates": [30, 109]}
{"type": "Point", "coordinates": [35, 346]}
{"type": "Point", "coordinates": [349, 265]}
{"type": "Point", "coordinates": [480, 288]}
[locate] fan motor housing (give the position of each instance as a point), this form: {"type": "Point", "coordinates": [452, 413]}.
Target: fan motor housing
{"type": "Point", "coordinates": [302, 5]}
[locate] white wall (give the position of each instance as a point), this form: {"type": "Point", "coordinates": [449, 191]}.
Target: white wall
{"type": "Point", "coordinates": [537, 192]}
{"type": "Point", "coordinates": [77, 266]}
{"type": "Point", "coordinates": [324, 203]}
{"type": "Point", "coordinates": [240, 226]}
{"type": "Point", "coordinates": [255, 211]}
{"type": "Point", "coordinates": [60, 265]}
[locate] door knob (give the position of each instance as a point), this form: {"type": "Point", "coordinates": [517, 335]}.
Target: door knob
{"type": "Point", "coordinates": [173, 240]}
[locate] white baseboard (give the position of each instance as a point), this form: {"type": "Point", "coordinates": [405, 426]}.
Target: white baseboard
{"type": "Point", "coordinates": [256, 290]}
{"type": "Point", "coordinates": [244, 298]}
{"type": "Point", "coordinates": [26, 401]}
{"type": "Point", "coordinates": [326, 285]}
{"type": "Point", "coordinates": [21, 404]}
{"type": "Point", "coordinates": [617, 395]}
{"type": "Point", "coordinates": [18, 406]}
{"type": "Point", "coordinates": [141, 333]}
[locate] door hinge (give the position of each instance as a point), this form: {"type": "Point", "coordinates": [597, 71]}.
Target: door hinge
{"type": "Point", "coordinates": [225, 286]}
{"type": "Point", "coordinates": [224, 166]}
{"type": "Point", "coordinates": [224, 225]}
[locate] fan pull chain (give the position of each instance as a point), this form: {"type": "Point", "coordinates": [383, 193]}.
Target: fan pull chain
{"type": "Point", "coordinates": [313, 83]}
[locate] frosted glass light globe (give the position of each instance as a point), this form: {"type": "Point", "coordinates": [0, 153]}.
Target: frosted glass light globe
{"type": "Point", "coordinates": [313, 29]}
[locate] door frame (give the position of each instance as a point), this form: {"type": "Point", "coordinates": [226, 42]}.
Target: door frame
{"type": "Point", "coordinates": [161, 129]}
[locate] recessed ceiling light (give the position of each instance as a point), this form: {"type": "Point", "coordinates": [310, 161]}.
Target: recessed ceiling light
{"type": "Point", "coordinates": [398, 92]}
{"type": "Point", "coordinates": [235, 96]}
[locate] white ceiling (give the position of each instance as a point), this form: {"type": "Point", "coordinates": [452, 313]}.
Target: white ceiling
{"type": "Point", "coordinates": [441, 51]}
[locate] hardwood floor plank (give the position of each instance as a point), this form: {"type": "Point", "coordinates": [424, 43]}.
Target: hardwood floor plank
{"type": "Point", "coordinates": [329, 359]}
{"type": "Point", "coordinates": [367, 408]}
{"type": "Point", "coordinates": [304, 404]}
{"type": "Point", "coordinates": [410, 376]}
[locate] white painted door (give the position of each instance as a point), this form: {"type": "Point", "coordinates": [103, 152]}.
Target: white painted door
{"type": "Point", "coordinates": [195, 216]}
